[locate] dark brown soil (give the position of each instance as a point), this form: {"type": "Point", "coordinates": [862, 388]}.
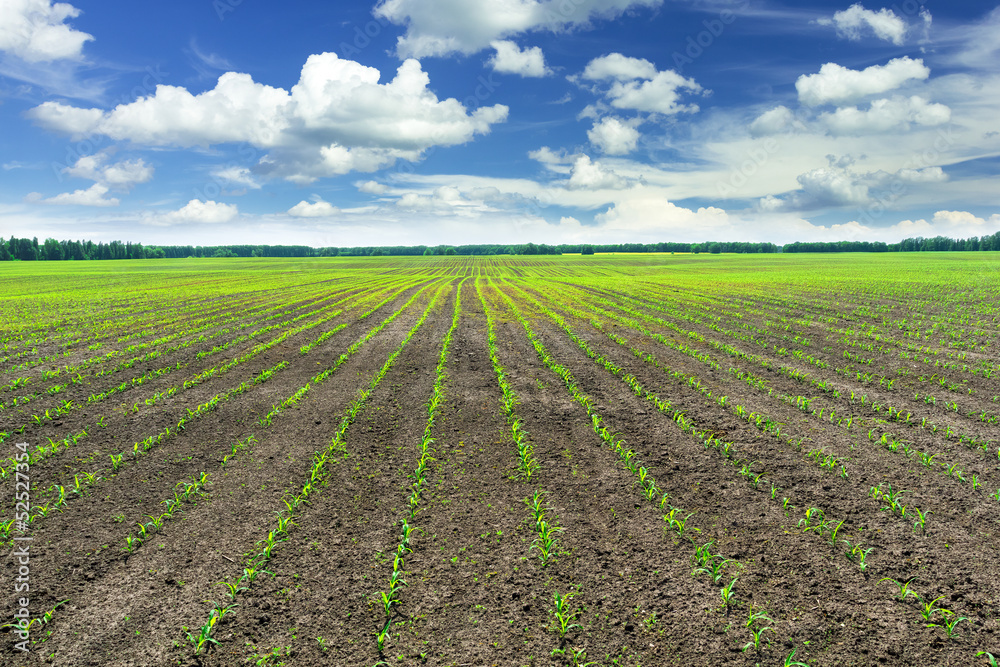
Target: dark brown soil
{"type": "Point", "coordinates": [477, 593]}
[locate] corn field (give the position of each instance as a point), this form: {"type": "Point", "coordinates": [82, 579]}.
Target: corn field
{"type": "Point", "coordinates": [607, 460]}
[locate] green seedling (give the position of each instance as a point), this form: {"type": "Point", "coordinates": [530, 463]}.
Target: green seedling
{"type": "Point", "coordinates": [928, 609]}
{"type": "Point", "coordinates": [903, 586]}
{"type": "Point", "coordinates": [727, 594]}
{"type": "Point", "coordinates": [789, 661]}
{"type": "Point", "coordinates": [756, 635]}
{"type": "Point", "coordinates": [949, 622]}
{"type": "Point", "coordinates": [920, 523]}
{"type": "Point", "coordinates": [563, 616]}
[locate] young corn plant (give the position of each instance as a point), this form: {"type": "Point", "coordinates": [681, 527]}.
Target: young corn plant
{"type": "Point", "coordinates": [903, 587]}
{"type": "Point", "coordinates": [679, 524]}
{"type": "Point", "coordinates": [563, 615]}
{"type": "Point", "coordinates": [546, 539]}
{"type": "Point", "coordinates": [921, 522]}
{"type": "Point", "coordinates": [949, 622]}
{"type": "Point", "coordinates": [928, 609]}
{"type": "Point", "coordinates": [728, 597]}
{"type": "Point", "coordinates": [791, 662]}
{"type": "Point", "coordinates": [756, 634]}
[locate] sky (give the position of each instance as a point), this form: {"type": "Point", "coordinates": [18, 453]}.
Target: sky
{"type": "Point", "coordinates": [410, 122]}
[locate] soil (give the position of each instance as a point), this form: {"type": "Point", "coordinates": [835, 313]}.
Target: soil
{"type": "Point", "coordinates": [477, 593]}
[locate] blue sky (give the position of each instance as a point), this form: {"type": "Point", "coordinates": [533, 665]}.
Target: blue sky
{"type": "Point", "coordinates": [465, 121]}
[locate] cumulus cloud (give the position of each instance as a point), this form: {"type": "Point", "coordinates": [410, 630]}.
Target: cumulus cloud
{"type": "Point", "coordinates": [196, 212]}
{"type": "Point", "coordinates": [449, 200]}
{"type": "Point", "coordinates": [657, 95]}
{"type": "Point", "coordinates": [92, 196]}
{"type": "Point", "coordinates": [636, 85]}
{"type": "Point", "coordinates": [853, 21]}
{"type": "Point", "coordinates": [372, 188]}
{"type": "Point", "coordinates": [547, 156]}
{"type": "Point", "coordinates": [119, 175]}
{"type": "Point", "coordinates": [655, 215]}
{"type": "Point", "coordinates": [884, 115]}
{"type": "Point", "coordinates": [836, 185]}
{"type": "Point", "coordinates": [613, 136]}
{"type": "Point", "coordinates": [955, 224]}
{"type": "Point", "coordinates": [836, 84]}
{"type": "Point", "coordinates": [338, 118]}
{"type": "Point", "coordinates": [237, 176]}
{"type": "Point", "coordinates": [776, 121]}
{"type": "Point", "coordinates": [509, 59]}
{"type": "Point", "coordinates": [592, 176]}
{"type": "Point", "coordinates": [468, 26]}
{"type": "Point", "coordinates": [964, 219]}
{"type": "Point", "coordinates": [36, 30]}
{"type": "Point", "coordinates": [833, 186]}
{"type": "Point", "coordinates": [316, 209]}
{"type": "Point", "coordinates": [617, 67]}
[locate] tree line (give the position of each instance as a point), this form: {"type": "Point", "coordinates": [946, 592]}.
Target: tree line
{"type": "Point", "coordinates": [24, 249]}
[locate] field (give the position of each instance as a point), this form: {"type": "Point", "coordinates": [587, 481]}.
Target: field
{"type": "Point", "coordinates": [614, 460]}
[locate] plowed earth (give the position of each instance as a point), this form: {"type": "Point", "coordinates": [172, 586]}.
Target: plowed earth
{"type": "Point", "coordinates": [477, 593]}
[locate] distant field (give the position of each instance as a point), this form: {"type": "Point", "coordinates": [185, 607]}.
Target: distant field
{"type": "Point", "coordinates": [532, 460]}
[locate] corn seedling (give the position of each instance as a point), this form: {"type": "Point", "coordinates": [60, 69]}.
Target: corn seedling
{"type": "Point", "coordinates": [564, 617]}
{"type": "Point", "coordinates": [928, 609]}
{"type": "Point", "coordinates": [921, 521]}
{"type": "Point", "coordinates": [948, 623]}
{"type": "Point", "coordinates": [903, 587]}
{"type": "Point", "coordinates": [727, 594]}
{"type": "Point", "coordinates": [675, 522]}
{"type": "Point", "coordinates": [791, 662]}
{"type": "Point", "coordinates": [756, 634]}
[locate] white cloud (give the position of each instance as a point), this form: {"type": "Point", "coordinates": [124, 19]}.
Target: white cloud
{"type": "Point", "coordinates": [592, 176]}
{"type": "Point", "coordinates": [553, 160]}
{"type": "Point", "coordinates": [76, 122]}
{"type": "Point", "coordinates": [92, 196]}
{"type": "Point", "coordinates": [196, 211]}
{"type": "Point", "coordinates": [36, 30]}
{"type": "Point", "coordinates": [237, 176]}
{"type": "Point", "coordinates": [449, 200]}
{"type": "Point", "coordinates": [837, 185]}
{"type": "Point", "coordinates": [338, 118]}
{"type": "Point", "coordinates": [836, 84]}
{"type": "Point", "coordinates": [372, 188]}
{"type": "Point", "coordinates": [926, 175]}
{"type": "Point", "coordinates": [509, 59]}
{"type": "Point", "coordinates": [659, 218]}
{"type": "Point", "coordinates": [617, 67]}
{"type": "Point", "coordinates": [885, 115]}
{"type": "Point", "coordinates": [120, 175]}
{"type": "Point", "coordinates": [317, 209]}
{"type": "Point", "coordinates": [966, 220]}
{"type": "Point", "coordinates": [833, 187]}
{"type": "Point", "coordinates": [851, 22]}
{"type": "Point", "coordinates": [636, 85]}
{"type": "Point", "coordinates": [468, 26]}
{"type": "Point", "coordinates": [613, 136]}
{"type": "Point", "coordinates": [954, 224]}
{"type": "Point", "coordinates": [657, 95]}
{"type": "Point", "coordinates": [776, 121]}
